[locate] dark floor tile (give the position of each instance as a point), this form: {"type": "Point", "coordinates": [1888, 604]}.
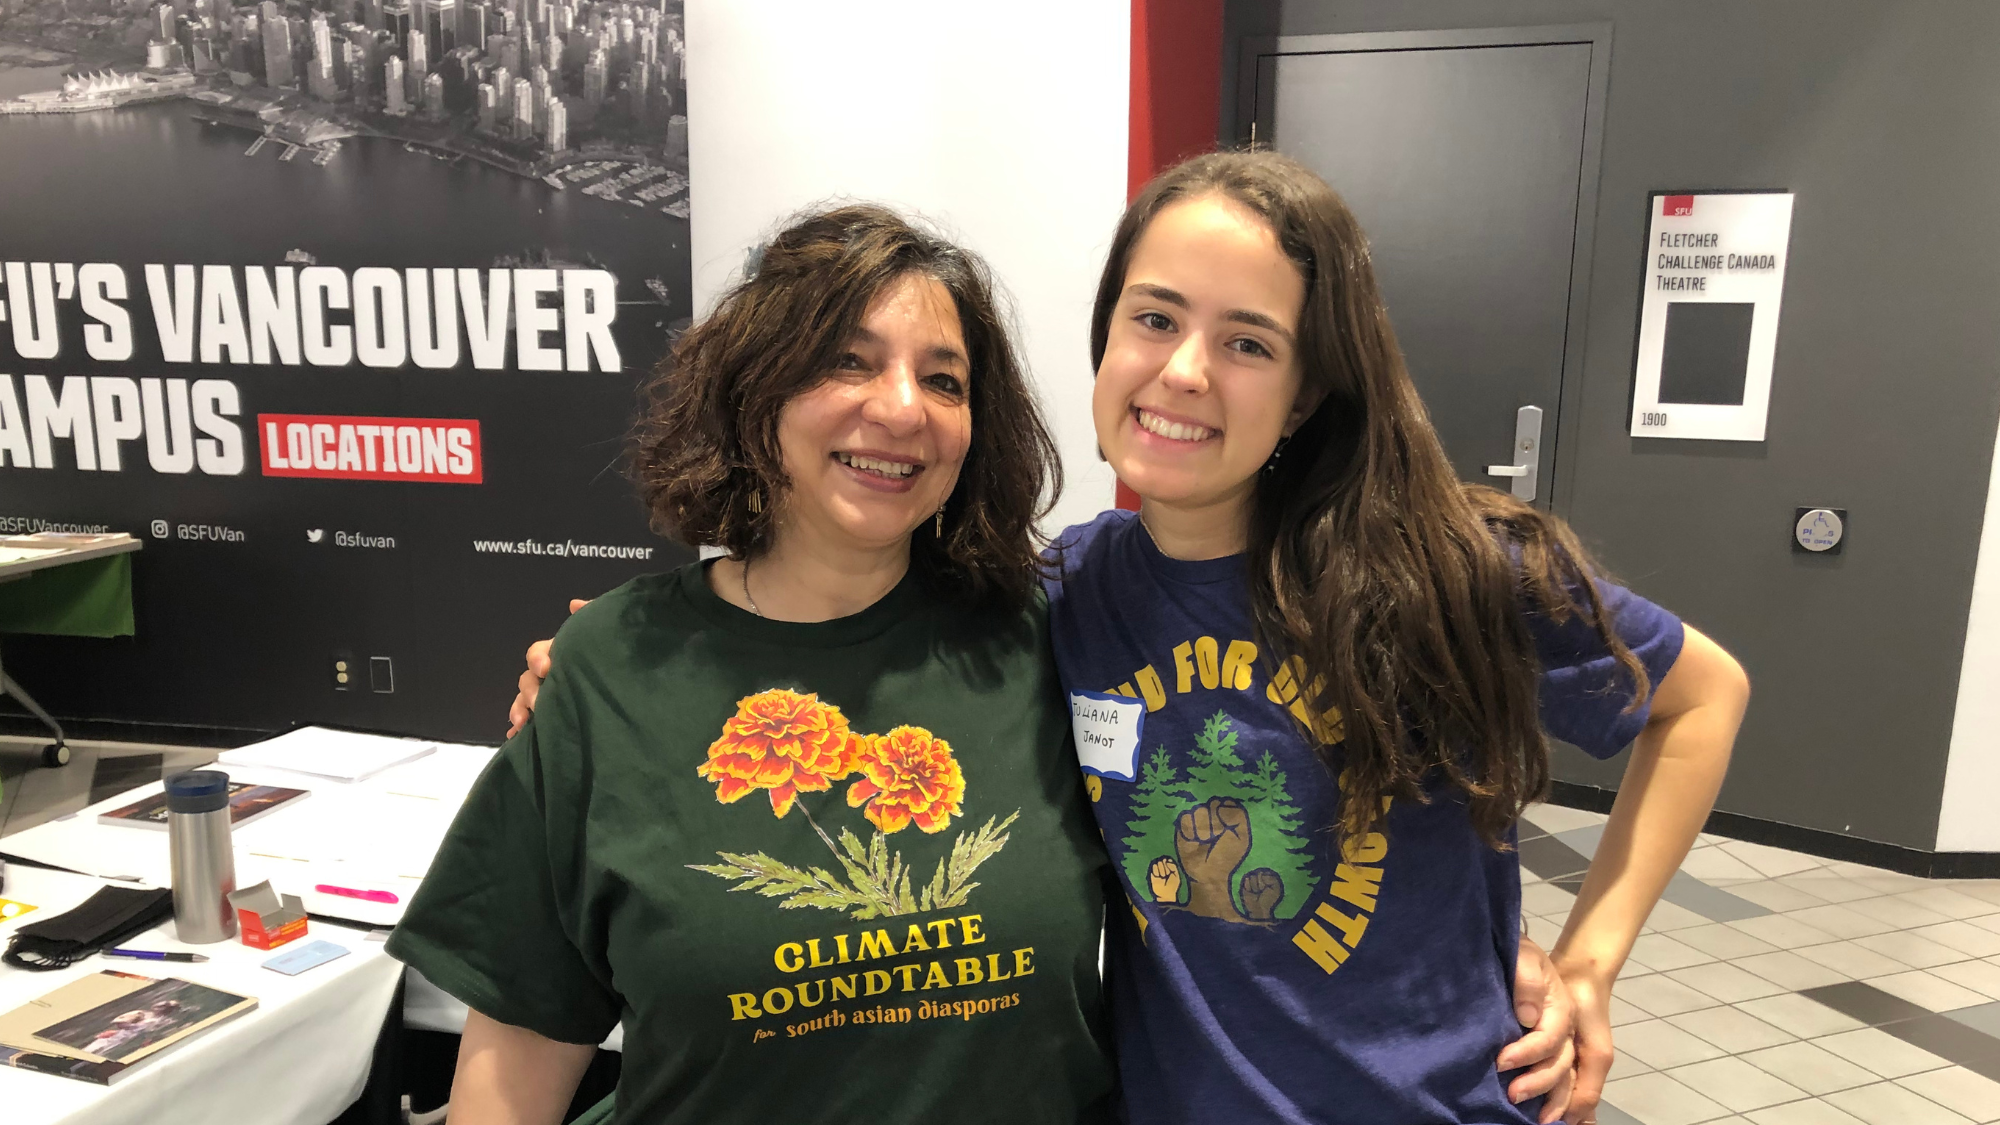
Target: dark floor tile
{"type": "Point", "coordinates": [1550, 858]}
{"type": "Point", "coordinates": [1584, 840]}
{"type": "Point", "coordinates": [1947, 1038]}
{"type": "Point", "coordinates": [1712, 903]}
{"type": "Point", "coordinates": [1866, 1003]}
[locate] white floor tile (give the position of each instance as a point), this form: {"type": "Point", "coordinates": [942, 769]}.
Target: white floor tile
{"type": "Point", "coordinates": [1664, 952]}
{"type": "Point", "coordinates": [1556, 818]}
{"type": "Point", "coordinates": [1731, 1029]}
{"type": "Point", "coordinates": [1656, 1099]}
{"type": "Point", "coordinates": [1782, 930]}
{"type": "Point", "coordinates": [1853, 960]}
{"type": "Point", "coordinates": [1725, 982]}
{"type": "Point", "coordinates": [1728, 944]}
{"type": "Point", "coordinates": [1988, 889]}
{"type": "Point", "coordinates": [1948, 902]}
{"type": "Point", "coordinates": [1624, 1012]}
{"type": "Point", "coordinates": [1929, 991]}
{"type": "Point", "coordinates": [1791, 970]}
{"type": "Point", "coordinates": [1888, 1104]}
{"type": "Point", "coordinates": [1844, 922]}
{"type": "Point", "coordinates": [1976, 975]}
{"type": "Point", "coordinates": [1544, 932]}
{"type": "Point", "coordinates": [1800, 1015]}
{"type": "Point", "coordinates": [1963, 936]}
{"type": "Point", "coordinates": [1661, 1045]}
{"type": "Point", "coordinates": [1810, 1067]}
{"type": "Point", "coordinates": [1771, 861]}
{"type": "Point", "coordinates": [1881, 1052]}
{"type": "Point", "coordinates": [1624, 1065]}
{"type": "Point", "coordinates": [1660, 995]}
{"type": "Point", "coordinates": [1737, 1084]}
{"type": "Point", "coordinates": [1974, 1096]}
{"type": "Point", "coordinates": [1810, 1112]}
{"type": "Point", "coordinates": [1667, 916]}
{"type": "Point", "coordinates": [1772, 895]}
{"type": "Point", "coordinates": [1990, 922]}
{"type": "Point", "coordinates": [1546, 899]}
{"type": "Point", "coordinates": [1713, 863]}
{"type": "Point", "coordinates": [1911, 949]}
{"type": "Point", "coordinates": [1826, 885]}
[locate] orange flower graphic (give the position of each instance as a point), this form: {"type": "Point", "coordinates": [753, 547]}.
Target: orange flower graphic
{"type": "Point", "coordinates": [783, 742]}
{"type": "Point", "coordinates": [907, 774]}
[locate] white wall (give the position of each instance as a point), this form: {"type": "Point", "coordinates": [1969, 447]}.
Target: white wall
{"type": "Point", "coordinates": [1004, 123]}
{"type": "Point", "coordinates": [1969, 820]}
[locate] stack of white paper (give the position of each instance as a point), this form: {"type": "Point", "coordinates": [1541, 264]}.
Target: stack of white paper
{"type": "Point", "coordinates": [337, 755]}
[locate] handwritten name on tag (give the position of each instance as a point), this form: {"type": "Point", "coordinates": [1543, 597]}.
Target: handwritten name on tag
{"type": "Point", "coordinates": [1107, 733]}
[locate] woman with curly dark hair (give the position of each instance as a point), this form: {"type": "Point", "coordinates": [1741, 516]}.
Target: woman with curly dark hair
{"type": "Point", "coordinates": [853, 717]}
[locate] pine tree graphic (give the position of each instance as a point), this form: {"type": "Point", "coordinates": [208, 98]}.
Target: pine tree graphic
{"type": "Point", "coordinates": [1275, 841]}
{"type": "Point", "coordinates": [1159, 801]}
{"type": "Point", "coordinates": [1218, 770]}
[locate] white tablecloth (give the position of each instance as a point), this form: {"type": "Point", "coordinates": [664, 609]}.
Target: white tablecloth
{"type": "Point", "coordinates": [300, 1058]}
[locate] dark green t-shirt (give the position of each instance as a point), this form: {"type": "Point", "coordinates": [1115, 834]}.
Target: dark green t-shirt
{"type": "Point", "coordinates": [840, 871]}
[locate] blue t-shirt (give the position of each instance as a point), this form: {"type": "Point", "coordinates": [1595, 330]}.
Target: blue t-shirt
{"type": "Point", "coordinates": [1257, 975]}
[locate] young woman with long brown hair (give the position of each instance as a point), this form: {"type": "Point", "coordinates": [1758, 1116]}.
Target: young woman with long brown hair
{"type": "Point", "coordinates": [1311, 678]}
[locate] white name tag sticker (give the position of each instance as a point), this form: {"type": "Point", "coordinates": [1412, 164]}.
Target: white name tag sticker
{"type": "Point", "coordinates": [1107, 733]}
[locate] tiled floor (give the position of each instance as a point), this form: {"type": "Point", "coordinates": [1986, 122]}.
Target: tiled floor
{"type": "Point", "coordinates": [1783, 989]}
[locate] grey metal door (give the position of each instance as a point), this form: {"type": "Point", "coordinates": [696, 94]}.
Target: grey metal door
{"type": "Point", "coordinates": [1470, 159]}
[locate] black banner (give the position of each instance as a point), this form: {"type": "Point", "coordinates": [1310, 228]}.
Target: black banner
{"type": "Point", "coordinates": [347, 334]}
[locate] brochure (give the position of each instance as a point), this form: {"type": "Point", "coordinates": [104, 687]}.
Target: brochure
{"type": "Point", "coordinates": [246, 803]}
{"type": "Point", "coordinates": [95, 1028]}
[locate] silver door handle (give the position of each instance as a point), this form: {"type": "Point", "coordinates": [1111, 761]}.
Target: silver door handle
{"type": "Point", "coordinates": [1527, 453]}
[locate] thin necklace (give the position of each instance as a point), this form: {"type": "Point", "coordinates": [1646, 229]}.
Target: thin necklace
{"type": "Point", "coordinates": [746, 590]}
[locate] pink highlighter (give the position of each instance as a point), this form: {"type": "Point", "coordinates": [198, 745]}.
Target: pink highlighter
{"type": "Point", "coordinates": [350, 892]}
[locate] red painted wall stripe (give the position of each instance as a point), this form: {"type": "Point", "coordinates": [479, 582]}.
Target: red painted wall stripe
{"type": "Point", "coordinates": [1176, 101]}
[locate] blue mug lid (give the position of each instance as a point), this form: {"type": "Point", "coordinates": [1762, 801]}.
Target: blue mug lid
{"type": "Point", "coordinates": [198, 791]}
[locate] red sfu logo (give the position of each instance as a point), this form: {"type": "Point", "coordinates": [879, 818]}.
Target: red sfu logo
{"type": "Point", "coordinates": [438, 450]}
{"type": "Point", "coordinates": [1676, 206]}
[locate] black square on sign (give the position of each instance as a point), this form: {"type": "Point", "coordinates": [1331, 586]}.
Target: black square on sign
{"type": "Point", "coordinates": [1706, 358]}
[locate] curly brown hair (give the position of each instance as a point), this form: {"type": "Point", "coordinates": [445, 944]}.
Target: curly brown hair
{"type": "Point", "coordinates": [705, 451]}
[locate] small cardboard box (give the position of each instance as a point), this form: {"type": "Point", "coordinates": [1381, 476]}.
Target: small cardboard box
{"type": "Point", "coordinates": [265, 919]}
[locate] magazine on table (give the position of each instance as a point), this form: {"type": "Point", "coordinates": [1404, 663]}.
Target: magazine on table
{"type": "Point", "coordinates": [247, 803]}
{"type": "Point", "coordinates": [95, 1028]}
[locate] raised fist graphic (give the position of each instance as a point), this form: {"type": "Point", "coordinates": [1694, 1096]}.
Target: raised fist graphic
{"type": "Point", "coordinates": [1165, 879]}
{"type": "Point", "coordinates": [1212, 840]}
{"type": "Point", "coordinates": [1262, 890]}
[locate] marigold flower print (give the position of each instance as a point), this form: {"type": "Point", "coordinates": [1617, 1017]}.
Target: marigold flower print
{"type": "Point", "coordinates": [788, 743]}
{"type": "Point", "coordinates": [783, 742]}
{"type": "Point", "coordinates": [907, 775]}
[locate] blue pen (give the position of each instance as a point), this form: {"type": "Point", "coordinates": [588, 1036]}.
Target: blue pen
{"type": "Point", "coordinates": [154, 955]}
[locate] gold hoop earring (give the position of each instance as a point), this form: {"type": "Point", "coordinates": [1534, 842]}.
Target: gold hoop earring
{"type": "Point", "coordinates": [940, 521]}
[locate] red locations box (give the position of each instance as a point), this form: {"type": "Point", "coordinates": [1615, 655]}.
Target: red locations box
{"type": "Point", "coordinates": [436, 450]}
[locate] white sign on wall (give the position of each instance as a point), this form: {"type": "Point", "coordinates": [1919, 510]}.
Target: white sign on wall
{"type": "Point", "coordinates": [1708, 323]}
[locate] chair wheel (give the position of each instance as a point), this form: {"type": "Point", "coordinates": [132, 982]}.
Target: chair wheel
{"type": "Point", "coordinates": [55, 755]}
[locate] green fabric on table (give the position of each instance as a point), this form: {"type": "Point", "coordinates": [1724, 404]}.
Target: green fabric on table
{"type": "Point", "coordinates": [92, 598]}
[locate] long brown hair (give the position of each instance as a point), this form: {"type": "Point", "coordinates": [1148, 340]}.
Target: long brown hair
{"type": "Point", "coordinates": [705, 451]}
{"type": "Point", "coordinates": [1395, 591]}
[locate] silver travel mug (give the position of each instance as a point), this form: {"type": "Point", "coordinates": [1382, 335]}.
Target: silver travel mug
{"type": "Point", "coordinates": [204, 861]}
